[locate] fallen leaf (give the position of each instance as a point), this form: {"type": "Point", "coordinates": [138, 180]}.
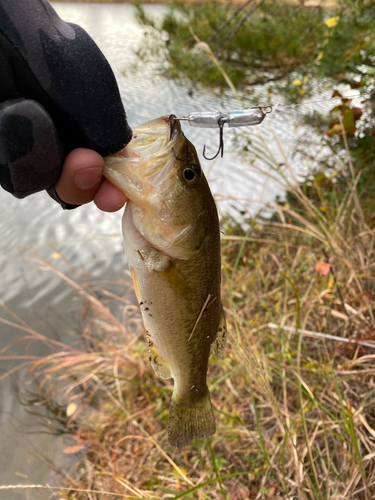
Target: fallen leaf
{"type": "Point", "coordinates": [182, 469]}
{"type": "Point", "coordinates": [70, 409]}
{"type": "Point", "coordinates": [175, 471]}
{"type": "Point", "coordinates": [241, 493]}
{"type": "Point", "coordinates": [332, 21]}
{"type": "Point", "coordinates": [71, 450]}
{"type": "Point", "coordinates": [297, 82]}
{"type": "Point", "coordinates": [323, 268]}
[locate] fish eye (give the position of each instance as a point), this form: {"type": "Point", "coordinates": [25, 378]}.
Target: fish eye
{"type": "Point", "coordinates": [191, 172]}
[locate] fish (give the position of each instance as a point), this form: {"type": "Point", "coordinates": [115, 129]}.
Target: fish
{"type": "Point", "coordinates": [172, 242]}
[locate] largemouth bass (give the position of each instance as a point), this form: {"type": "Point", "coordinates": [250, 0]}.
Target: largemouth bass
{"type": "Point", "coordinates": [172, 242]}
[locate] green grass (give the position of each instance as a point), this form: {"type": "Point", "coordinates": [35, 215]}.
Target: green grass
{"type": "Point", "coordinates": [272, 43]}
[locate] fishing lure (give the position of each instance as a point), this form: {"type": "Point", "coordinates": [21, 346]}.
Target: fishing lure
{"type": "Point", "coordinates": [235, 118]}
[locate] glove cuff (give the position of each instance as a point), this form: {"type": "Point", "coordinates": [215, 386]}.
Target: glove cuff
{"type": "Point", "coordinates": [65, 206]}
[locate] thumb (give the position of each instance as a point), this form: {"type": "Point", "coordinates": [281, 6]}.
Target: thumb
{"type": "Point", "coordinates": [81, 176]}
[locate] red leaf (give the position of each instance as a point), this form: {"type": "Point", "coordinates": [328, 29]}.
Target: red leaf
{"type": "Point", "coordinates": [72, 450]}
{"type": "Point", "coordinates": [323, 268]}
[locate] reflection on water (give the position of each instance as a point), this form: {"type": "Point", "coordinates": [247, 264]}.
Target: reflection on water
{"type": "Point", "coordinates": [83, 243]}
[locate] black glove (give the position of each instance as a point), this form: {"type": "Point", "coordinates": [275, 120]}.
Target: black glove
{"type": "Point", "coordinates": [57, 93]}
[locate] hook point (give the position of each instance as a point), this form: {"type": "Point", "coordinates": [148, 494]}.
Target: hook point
{"type": "Point", "coordinates": [221, 144]}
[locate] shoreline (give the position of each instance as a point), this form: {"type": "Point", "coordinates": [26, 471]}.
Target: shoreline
{"type": "Point", "coordinates": [160, 2]}
{"type": "Point", "coordinates": [312, 3]}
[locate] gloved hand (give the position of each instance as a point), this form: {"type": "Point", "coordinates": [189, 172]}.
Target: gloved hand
{"type": "Point", "coordinates": [57, 93]}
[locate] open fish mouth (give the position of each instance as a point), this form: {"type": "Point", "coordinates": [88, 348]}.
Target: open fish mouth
{"type": "Point", "coordinates": [150, 158]}
{"type": "Point", "coordinates": [155, 137]}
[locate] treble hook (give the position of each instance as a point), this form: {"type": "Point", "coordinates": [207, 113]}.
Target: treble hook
{"type": "Point", "coordinates": [221, 143]}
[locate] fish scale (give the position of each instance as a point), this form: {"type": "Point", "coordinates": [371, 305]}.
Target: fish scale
{"type": "Point", "coordinates": [172, 242]}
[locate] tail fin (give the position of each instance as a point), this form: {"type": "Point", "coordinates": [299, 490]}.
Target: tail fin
{"type": "Point", "coordinates": [189, 422]}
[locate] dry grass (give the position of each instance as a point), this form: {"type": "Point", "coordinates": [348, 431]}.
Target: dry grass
{"type": "Point", "coordinates": [294, 411]}
{"type": "Point", "coordinates": [294, 402]}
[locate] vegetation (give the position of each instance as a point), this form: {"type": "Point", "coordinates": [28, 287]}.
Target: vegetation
{"type": "Point", "coordinates": [283, 51]}
{"type": "Point", "coordinates": [294, 393]}
{"type": "Point", "coordinates": [265, 42]}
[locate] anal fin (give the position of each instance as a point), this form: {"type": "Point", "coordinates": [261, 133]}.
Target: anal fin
{"type": "Point", "coordinates": [218, 345]}
{"type": "Point", "coordinates": [158, 363]}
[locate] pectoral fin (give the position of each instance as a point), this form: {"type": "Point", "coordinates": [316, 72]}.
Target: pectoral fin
{"type": "Point", "coordinates": [154, 260]}
{"type": "Point", "coordinates": [218, 345]}
{"type": "Point", "coordinates": [160, 366]}
{"type": "Point", "coordinates": [176, 280]}
{"type": "Point", "coordinates": [161, 263]}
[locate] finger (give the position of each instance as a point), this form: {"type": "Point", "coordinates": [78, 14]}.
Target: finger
{"type": "Point", "coordinates": [81, 176]}
{"type": "Point", "coordinates": [108, 198]}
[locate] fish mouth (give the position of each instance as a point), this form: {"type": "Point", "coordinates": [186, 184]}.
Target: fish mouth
{"type": "Point", "coordinates": [150, 157]}
{"type": "Point", "coordinates": [156, 145]}
{"type": "Point", "coordinates": [155, 137]}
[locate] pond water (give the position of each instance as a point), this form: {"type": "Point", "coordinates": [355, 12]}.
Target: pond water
{"type": "Point", "coordinates": [86, 242]}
